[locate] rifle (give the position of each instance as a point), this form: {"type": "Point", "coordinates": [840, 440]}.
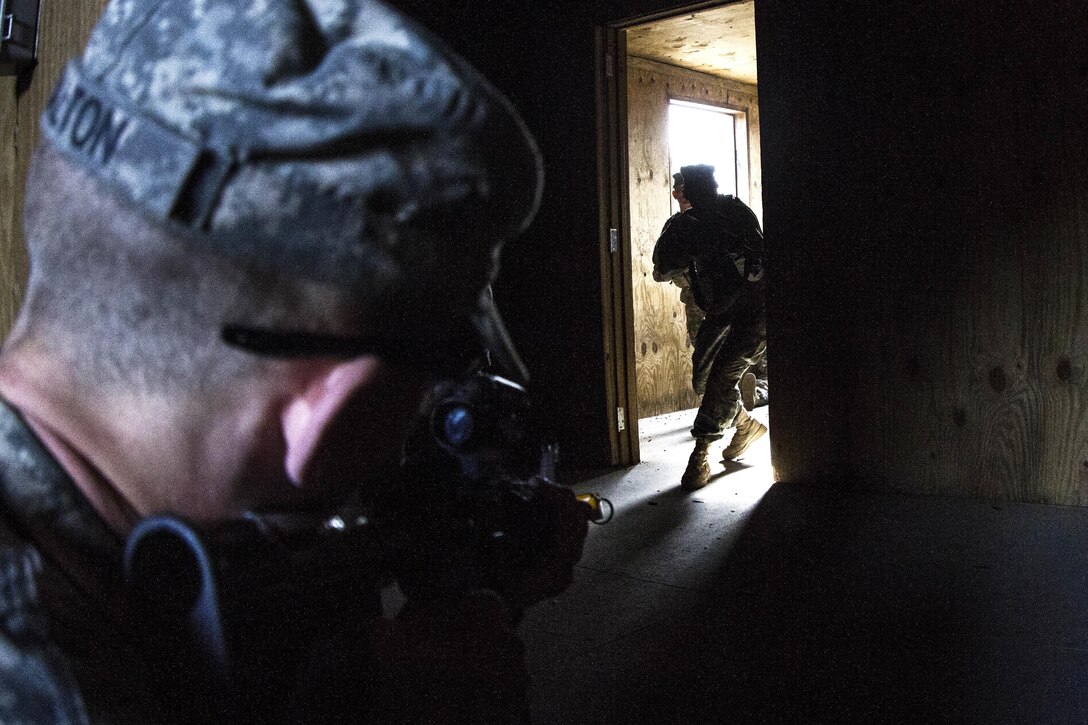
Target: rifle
{"type": "Point", "coordinates": [236, 605]}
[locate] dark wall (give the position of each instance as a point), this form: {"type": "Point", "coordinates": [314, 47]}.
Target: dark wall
{"type": "Point", "coordinates": [925, 197]}
{"type": "Point", "coordinates": [863, 123]}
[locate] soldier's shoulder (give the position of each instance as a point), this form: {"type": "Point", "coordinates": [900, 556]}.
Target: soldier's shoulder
{"type": "Point", "coordinates": [685, 219]}
{"type": "Point", "coordinates": [675, 225]}
{"type": "Point", "coordinates": [36, 682]}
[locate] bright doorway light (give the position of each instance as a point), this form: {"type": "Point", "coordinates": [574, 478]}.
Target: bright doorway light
{"type": "Point", "coordinates": [701, 134]}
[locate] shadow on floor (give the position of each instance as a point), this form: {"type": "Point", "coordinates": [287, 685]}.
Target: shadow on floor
{"type": "Point", "coordinates": [818, 606]}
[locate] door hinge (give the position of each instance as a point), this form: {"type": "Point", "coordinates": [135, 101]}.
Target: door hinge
{"type": "Point", "coordinates": [613, 240]}
{"type": "Point", "coordinates": [621, 420]}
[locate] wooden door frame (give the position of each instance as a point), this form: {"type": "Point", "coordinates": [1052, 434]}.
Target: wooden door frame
{"type": "Point", "coordinates": [613, 184]}
{"type": "Point", "coordinates": [617, 300]}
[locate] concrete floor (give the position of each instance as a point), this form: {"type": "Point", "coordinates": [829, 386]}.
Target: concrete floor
{"type": "Point", "coordinates": [747, 602]}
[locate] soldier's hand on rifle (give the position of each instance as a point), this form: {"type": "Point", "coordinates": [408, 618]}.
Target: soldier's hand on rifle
{"type": "Point", "coordinates": [550, 570]}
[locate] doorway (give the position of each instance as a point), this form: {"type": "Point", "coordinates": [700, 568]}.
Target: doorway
{"type": "Point", "coordinates": [694, 69]}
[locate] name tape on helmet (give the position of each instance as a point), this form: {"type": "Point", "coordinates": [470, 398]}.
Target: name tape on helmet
{"type": "Point", "coordinates": [147, 161]}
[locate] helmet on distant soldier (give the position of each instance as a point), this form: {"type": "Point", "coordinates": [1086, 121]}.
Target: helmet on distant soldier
{"type": "Point", "coordinates": [700, 186]}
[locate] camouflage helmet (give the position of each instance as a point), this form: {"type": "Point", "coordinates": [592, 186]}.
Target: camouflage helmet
{"type": "Point", "coordinates": [336, 140]}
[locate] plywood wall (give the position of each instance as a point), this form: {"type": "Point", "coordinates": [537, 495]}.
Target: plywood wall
{"type": "Point", "coordinates": [662, 352]}
{"type": "Point", "coordinates": [929, 293]}
{"type": "Point", "coordinates": [63, 32]}
{"type": "Point", "coordinates": [719, 40]}
{"type": "Point", "coordinates": [985, 394]}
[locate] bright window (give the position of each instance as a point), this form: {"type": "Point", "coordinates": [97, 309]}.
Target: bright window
{"type": "Point", "coordinates": [701, 134]}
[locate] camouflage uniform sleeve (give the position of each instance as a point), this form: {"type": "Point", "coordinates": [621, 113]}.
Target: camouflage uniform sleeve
{"type": "Point", "coordinates": [671, 252]}
{"type": "Point", "coordinates": [36, 684]}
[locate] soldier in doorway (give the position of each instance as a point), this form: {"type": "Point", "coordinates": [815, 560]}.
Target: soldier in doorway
{"type": "Point", "coordinates": [719, 245]}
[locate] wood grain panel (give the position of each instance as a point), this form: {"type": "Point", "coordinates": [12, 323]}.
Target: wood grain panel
{"type": "Point", "coordinates": [12, 249]}
{"type": "Point", "coordinates": [930, 246]}
{"type": "Point", "coordinates": [662, 353]}
{"type": "Point", "coordinates": [63, 32]}
{"type": "Point", "coordinates": [1017, 338]}
{"type": "Point", "coordinates": [719, 41]}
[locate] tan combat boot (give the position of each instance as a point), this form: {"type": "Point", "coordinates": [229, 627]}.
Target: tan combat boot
{"type": "Point", "coordinates": [749, 430]}
{"type": "Point", "coordinates": [697, 474]}
{"type": "Point", "coordinates": [747, 386]}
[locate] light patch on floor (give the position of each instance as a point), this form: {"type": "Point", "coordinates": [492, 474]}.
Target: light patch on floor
{"type": "Point", "coordinates": [665, 443]}
{"type": "Point", "coordinates": [653, 562]}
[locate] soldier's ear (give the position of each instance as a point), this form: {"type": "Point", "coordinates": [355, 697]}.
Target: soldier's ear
{"type": "Point", "coordinates": [308, 416]}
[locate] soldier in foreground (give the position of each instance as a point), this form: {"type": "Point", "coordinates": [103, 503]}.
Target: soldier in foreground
{"type": "Point", "coordinates": [242, 223]}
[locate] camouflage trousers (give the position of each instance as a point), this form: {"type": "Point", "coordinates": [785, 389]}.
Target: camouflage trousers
{"type": "Point", "coordinates": [725, 347]}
